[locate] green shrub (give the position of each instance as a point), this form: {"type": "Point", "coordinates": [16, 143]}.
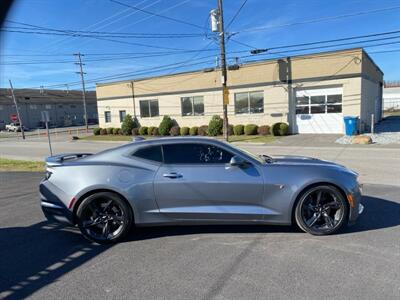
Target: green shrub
{"type": "Point", "coordinates": [128, 124]}
{"type": "Point", "coordinates": [165, 125]}
{"type": "Point", "coordinates": [175, 130]}
{"type": "Point", "coordinates": [263, 130]}
{"type": "Point", "coordinates": [116, 131]}
{"type": "Point", "coordinates": [184, 130]}
{"type": "Point", "coordinates": [143, 130]}
{"type": "Point", "coordinates": [110, 130]}
{"type": "Point", "coordinates": [155, 131]}
{"type": "Point", "coordinates": [215, 126]}
{"type": "Point", "coordinates": [238, 130]}
{"type": "Point", "coordinates": [280, 129]}
{"type": "Point", "coordinates": [103, 131]}
{"type": "Point", "coordinates": [96, 131]}
{"type": "Point", "coordinates": [250, 129]}
{"type": "Point", "coordinates": [203, 130]}
{"type": "Point", "coordinates": [230, 129]}
{"type": "Point", "coordinates": [193, 130]}
{"type": "Point", "coordinates": [135, 131]}
{"type": "Point", "coordinates": [150, 130]}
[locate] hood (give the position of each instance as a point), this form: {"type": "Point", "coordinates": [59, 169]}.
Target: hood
{"type": "Point", "coordinates": [307, 161]}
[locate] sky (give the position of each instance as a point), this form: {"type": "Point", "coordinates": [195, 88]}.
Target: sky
{"type": "Point", "coordinates": [34, 60]}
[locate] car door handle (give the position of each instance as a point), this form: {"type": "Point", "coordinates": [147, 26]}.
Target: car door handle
{"type": "Point", "coordinates": [172, 175]}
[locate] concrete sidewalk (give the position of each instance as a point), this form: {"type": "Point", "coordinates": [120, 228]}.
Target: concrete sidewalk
{"type": "Point", "coordinates": [322, 140]}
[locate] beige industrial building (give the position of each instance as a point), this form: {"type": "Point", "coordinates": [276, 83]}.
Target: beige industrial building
{"type": "Point", "coordinates": [311, 92]}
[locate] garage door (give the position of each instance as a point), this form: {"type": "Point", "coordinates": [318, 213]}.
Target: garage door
{"type": "Point", "coordinates": [319, 111]}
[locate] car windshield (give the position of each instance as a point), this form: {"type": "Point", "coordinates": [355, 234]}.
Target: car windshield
{"type": "Point", "coordinates": [261, 158]}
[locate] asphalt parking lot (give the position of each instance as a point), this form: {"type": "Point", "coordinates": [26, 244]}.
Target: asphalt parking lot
{"type": "Point", "coordinates": [47, 261]}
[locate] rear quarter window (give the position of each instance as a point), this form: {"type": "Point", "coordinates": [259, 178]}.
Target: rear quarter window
{"type": "Point", "coordinates": [152, 153]}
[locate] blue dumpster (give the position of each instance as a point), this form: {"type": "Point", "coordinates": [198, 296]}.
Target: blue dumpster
{"type": "Point", "coordinates": [350, 125]}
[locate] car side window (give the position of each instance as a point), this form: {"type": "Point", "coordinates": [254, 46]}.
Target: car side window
{"type": "Point", "coordinates": [195, 154]}
{"type": "Point", "coordinates": [152, 153]}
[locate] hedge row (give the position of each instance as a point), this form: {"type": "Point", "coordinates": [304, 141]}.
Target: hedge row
{"type": "Point", "coordinates": [107, 131]}
{"type": "Point", "coordinates": [169, 126]}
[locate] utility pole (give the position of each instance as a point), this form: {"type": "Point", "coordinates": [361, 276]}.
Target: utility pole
{"type": "Point", "coordinates": [83, 87]}
{"type": "Point", "coordinates": [16, 107]}
{"type": "Point", "coordinates": [217, 25]}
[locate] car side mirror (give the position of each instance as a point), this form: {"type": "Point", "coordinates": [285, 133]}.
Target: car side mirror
{"type": "Point", "coordinates": [237, 161]}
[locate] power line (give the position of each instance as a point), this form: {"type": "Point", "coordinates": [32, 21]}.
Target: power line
{"type": "Point", "coordinates": [310, 56]}
{"type": "Point", "coordinates": [260, 28]}
{"type": "Point", "coordinates": [340, 39]}
{"type": "Point", "coordinates": [236, 14]}
{"type": "Point", "coordinates": [385, 51]}
{"type": "Point", "coordinates": [91, 36]}
{"type": "Point", "coordinates": [157, 15]}
{"type": "Point", "coordinates": [122, 53]}
{"type": "Point", "coordinates": [78, 33]}
{"type": "Point", "coordinates": [105, 39]}
{"type": "Point", "coordinates": [241, 43]}
{"type": "Point", "coordinates": [335, 45]}
{"type": "Point", "coordinates": [323, 41]}
{"type": "Point", "coordinates": [30, 62]}
{"type": "Point", "coordinates": [139, 72]}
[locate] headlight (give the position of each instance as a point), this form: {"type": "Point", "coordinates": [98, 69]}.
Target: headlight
{"type": "Point", "coordinates": [47, 175]}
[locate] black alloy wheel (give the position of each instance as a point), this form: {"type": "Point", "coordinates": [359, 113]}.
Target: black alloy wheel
{"type": "Point", "coordinates": [104, 218]}
{"type": "Point", "coordinates": [321, 210]}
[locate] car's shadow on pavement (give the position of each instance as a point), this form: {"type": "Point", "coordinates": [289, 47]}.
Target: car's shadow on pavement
{"type": "Point", "coordinates": [378, 214]}
{"type": "Point", "coordinates": [144, 233]}
{"type": "Point", "coordinates": [35, 256]}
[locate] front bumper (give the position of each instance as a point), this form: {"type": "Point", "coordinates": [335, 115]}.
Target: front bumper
{"type": "Point", "coordinates": [53, 208]}
{"type": "Point", "coordinates": [356, 208]}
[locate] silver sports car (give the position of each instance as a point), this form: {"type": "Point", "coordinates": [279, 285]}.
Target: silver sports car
{"type": "Point", "coordinates": [195, 181]}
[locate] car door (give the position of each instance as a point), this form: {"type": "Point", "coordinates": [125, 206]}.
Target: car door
{"type": "Point", "coordinates": [196, 182]}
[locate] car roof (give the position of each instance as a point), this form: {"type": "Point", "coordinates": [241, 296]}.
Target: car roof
{"type": "Point", "coordinates": [156, 141]}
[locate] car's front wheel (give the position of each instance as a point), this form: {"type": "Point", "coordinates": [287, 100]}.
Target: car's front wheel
{"type": "Point", "coordinates": [321, 210]}
{"type": "Point", "coordinates": [104, 217]}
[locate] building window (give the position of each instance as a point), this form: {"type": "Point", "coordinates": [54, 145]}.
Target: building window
{"type": "Point", "coordinates": [122, 115]}
{"type": "Point", "coordinates": [48, 106]}
{"type": "Point", "coordinates": [60, 106]}
{"type": "Point", "coordinates": [33, 106]}
{"type": "Point", "coordinates": [149, 108]}
{"type": "Point", "coordinates": [1, 107]}
{"type": "Point", "coordinates": [192, 106]}
{"type": "Point", "coordinates": [249, 103]}
{"type": "Point", "coordinates": [107, 116]}
{"type": "Point", "coordinates": [73, 106]}
{"type": "Point", "coordinates": [318, 104]}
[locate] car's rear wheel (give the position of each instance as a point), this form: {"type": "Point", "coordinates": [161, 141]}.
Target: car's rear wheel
{"type": "Point", "coordinates": [321, 210]}
{"type": "Point", "coordinates": [104, 217]}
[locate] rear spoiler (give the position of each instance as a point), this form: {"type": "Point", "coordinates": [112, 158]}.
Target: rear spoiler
{"type": "Point", "coordinates": [57, 160]}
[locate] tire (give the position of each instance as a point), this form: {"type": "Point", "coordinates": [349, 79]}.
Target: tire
{"type": "Point", "coordinates": [321, 210]}
{"type": "Point", "coordinates": [104, 218]}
